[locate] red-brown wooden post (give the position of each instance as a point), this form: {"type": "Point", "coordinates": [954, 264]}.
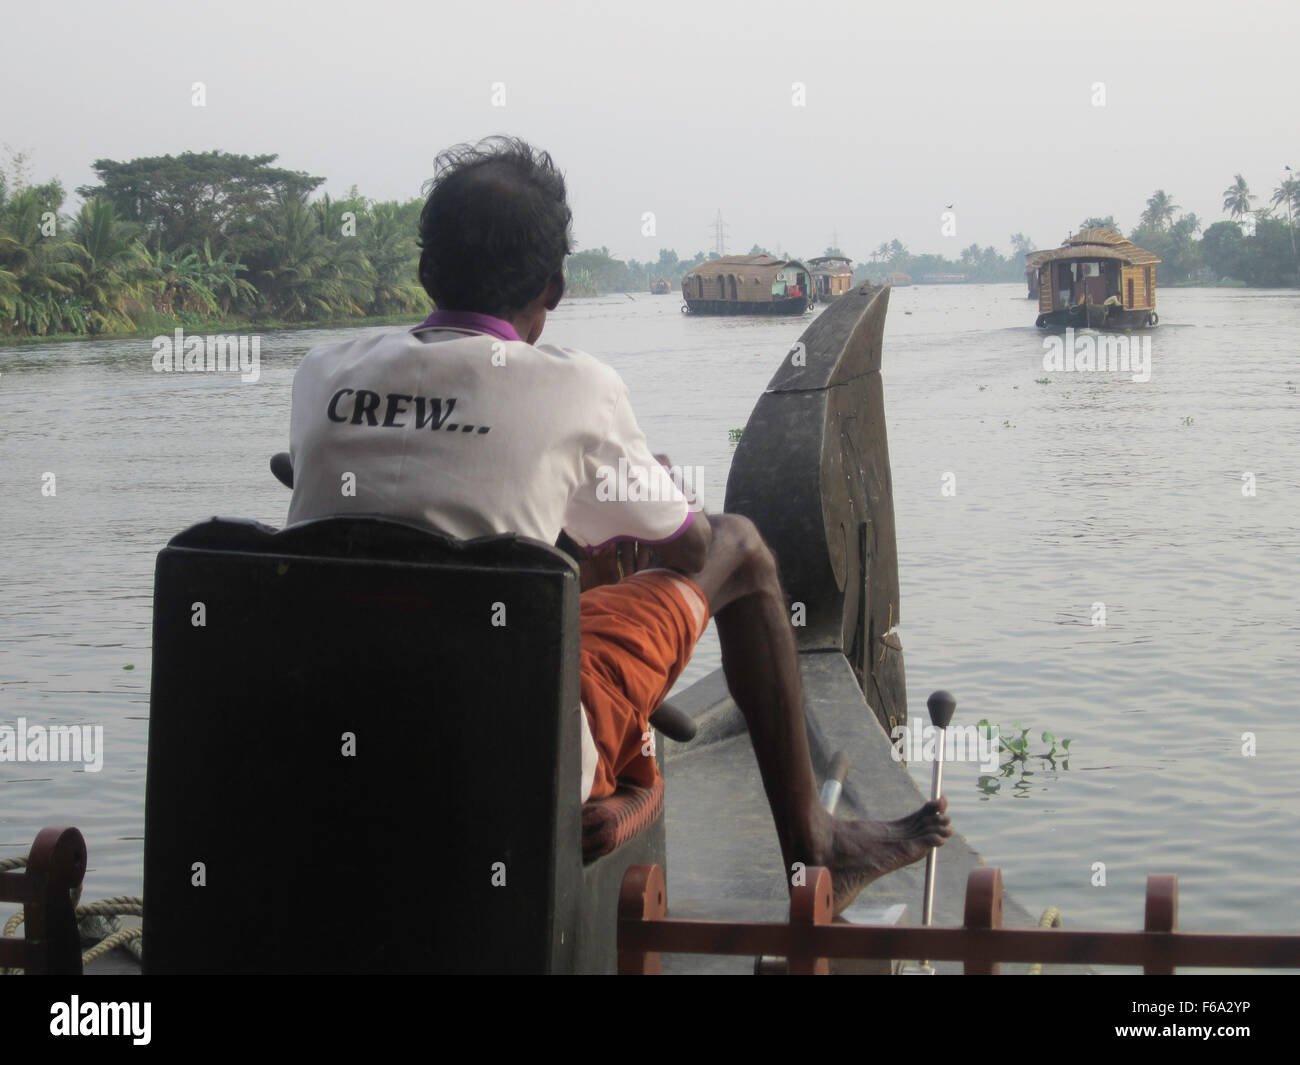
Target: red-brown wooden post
{"type": "Point", "coordinates": [643, 897]}
{"type": "Point", "coordinates": [983, 911]}
{"type": "Point", "coordinates": [1161, 916]}
{"type": "Point", "coordinates": [812, 903]}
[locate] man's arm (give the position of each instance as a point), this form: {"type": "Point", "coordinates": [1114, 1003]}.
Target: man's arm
{"type": "Point", "coordinates": [688, 551]}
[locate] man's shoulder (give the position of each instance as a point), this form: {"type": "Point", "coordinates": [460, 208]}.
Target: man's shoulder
{"type": "Point", "coordinates": [582, 365]}
{"type": "Point", "coordinates": [345, 351]}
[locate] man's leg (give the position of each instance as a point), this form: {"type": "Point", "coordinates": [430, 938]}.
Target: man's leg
{"type": "Point", "coordinates": [761, 664]}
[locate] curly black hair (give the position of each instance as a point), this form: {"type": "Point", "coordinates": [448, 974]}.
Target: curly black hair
{"type": "Point", "coordinates": [495, 227]}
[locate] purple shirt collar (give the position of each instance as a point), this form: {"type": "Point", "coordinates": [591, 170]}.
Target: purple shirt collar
{"type": "Point", "coordinates": [471, 320]}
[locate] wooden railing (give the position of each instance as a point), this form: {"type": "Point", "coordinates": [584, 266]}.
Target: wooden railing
{"type": "Point", "coordinates": [45, 888]}
{"type": "Point", "coordinates": [809, 939]}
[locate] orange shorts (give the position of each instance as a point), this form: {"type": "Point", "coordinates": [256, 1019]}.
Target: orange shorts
{"type": "Point", "coordinates": [637, 636]}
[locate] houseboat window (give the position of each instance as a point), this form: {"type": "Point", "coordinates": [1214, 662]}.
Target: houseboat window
{"type": "Point", "coordinates": [1147, 271]}
{"type": "Point", "coordinates": [1130, 293]}
{"type": "Point", "coordinates": [731, 279]}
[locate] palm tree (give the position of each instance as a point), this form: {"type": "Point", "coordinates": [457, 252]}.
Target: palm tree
{"type": "Point", "coordinates": [1237, 197]}
{"type": "Point", "coordinates": [1160, 210]}
{"type": "Point", "coordinates": [113, 263]}
{"type": "Point", "coordinates": [389, 247]}
{"type": "Point", "coordinates": [1098, 222]}
{"type": "Point", "coordinates": [1021, 245]}
{"type": "Point", "coordinates": [301, 274]}
{"type": "Point", "coordinates": [1288, 193]}
{"type": "Point", "coordinates": [41, 277]}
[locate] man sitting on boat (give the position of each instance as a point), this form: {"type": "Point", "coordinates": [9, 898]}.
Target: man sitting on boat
{"type": "Point", "coordinates": [468, 425]}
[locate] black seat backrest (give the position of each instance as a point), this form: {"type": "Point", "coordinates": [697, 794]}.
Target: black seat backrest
{"type": "Point", "coordinates": [363, 751]}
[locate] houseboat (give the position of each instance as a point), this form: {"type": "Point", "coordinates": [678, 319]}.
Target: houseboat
{"type": "Point", "coordinates": [660, 286]}
{"type": "Point", "coordinates": [1097, 279]}
{"type": "Point", "coordinates": [1033, 260]}
{"type": "Point", "coordinates": [832, 276]}
{"type": "Point", "coordinates": [748, 284]}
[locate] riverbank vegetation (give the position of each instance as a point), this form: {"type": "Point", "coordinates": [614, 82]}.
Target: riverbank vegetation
{"type": "Point", "coordinates": [207, 239]}
{"type": "Point", "coordinates": [197, 239]}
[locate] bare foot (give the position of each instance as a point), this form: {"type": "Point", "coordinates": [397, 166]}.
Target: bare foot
{"type": "Point", "coordinates": [862, 851]}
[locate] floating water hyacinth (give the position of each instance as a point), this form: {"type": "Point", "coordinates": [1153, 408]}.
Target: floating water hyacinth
{"type": "Point", "coordinates": [1017, 765]}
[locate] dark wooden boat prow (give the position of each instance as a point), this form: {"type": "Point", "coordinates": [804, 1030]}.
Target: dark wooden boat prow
{"type": "Point", "coordinates": [812, 471]}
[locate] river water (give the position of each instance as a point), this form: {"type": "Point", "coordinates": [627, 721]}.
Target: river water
{"type": "Point", "coordinates": [1086, 498]}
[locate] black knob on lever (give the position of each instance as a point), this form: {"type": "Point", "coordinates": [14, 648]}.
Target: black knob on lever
{"type": "Point", "coordinates": [941, 706]}
{"type": "Point", "coordinates": [282, 467]}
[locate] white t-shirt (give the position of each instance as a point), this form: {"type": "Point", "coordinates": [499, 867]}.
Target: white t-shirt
{"type": "Point", "coordinates": [473, 435]}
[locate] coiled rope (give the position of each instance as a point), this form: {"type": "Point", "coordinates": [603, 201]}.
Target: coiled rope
{"type": "Point", "coordinates": [95, 921]}
{"type": "Point", "coordinates": [1051, 919]}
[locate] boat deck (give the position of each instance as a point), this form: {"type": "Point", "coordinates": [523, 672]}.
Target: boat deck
{"type": "Point", "coordinates": [724, 862]}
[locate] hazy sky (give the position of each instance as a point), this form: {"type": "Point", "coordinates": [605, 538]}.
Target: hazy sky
{"type": "Point", "coordinates": [682, 109]}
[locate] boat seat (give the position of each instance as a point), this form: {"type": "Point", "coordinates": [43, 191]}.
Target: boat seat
{"type": "Point", "coordinates": [364, 756]}
{"type": "Point", "coordinates": [609, 823]}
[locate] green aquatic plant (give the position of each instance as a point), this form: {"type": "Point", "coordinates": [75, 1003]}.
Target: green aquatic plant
{"type": "Point", "coordinates": [1016, 745]}
{"type": "Point", "coordinates": [735, 434]}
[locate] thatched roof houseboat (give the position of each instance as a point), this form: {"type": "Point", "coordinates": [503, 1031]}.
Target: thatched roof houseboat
{"type": "Point", "coordinates": [1097, 278]}
{"type": "Point", "coordinates": [661, 286]}
{"type": "Point", "coordinates": [748, 284]}
{"type": "Point", "coordinates": [832, 276]}
{"type": "Point", "coordinates": [1033, 260]}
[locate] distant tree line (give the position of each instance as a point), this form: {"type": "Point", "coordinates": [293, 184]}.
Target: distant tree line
{"type": "Point", "coordinates": [975, 264]}
{"type": "Point", "coordinates": [1255, 246]}
{"type": "Point", "coordinates": [597, 270]}
{"type": "Point", "coordinates": [198, 236]}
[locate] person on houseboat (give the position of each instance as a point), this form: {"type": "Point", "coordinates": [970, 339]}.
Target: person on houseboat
{"type": "Point", "coordinates": [470, 426]}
